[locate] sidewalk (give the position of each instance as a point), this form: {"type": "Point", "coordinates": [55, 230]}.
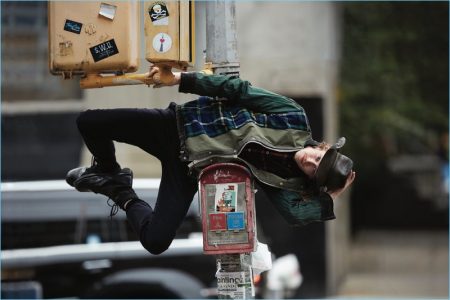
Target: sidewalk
{"type": "Point", "coordinates": [398, 264]}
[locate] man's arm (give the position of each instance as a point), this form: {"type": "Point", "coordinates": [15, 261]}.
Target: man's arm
{"type": "Point", "coordinates": [238, 91]}
{"type": "Point", "coordinates": [235, 89]}
{"type": "Point", "coordinates": [301, 212]}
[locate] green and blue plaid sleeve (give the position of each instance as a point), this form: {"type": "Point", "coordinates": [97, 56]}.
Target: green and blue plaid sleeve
{"type": "Point", "coordinates": [238, 91]}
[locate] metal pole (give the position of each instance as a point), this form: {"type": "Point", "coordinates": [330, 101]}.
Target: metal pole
{"type": "Point", "coordinates": [234, 275]}
{"type": "Point", "coordinates": [221, 38]}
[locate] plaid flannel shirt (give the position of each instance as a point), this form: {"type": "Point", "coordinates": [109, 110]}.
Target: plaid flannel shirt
{"type": "Point", "coordinates": [215, 117]}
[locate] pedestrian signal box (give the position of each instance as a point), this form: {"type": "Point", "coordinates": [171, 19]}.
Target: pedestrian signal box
{"type": "Point", "coordinates": [227, 205]}
{"type": "Point", "coordinates": [93, 37]}
{"type": "Point", "coordinates": [169, 32]}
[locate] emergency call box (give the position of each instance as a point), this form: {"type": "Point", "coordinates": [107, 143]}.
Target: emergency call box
{"type": "Point", "coordinates": [227, 205]}
{"type": "Point", "coordinates": [93, 37]}
{"type": "Point", "coordinates": [169, 32]}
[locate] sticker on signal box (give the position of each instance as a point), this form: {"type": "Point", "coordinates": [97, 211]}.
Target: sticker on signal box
{"type": "Point", "coordinates": [72, 26]}
{"type": "Point", "coordinates": [159, 14]}
{"type": "Point", "coordinates": [104, 50]}
{"type": "Point", "coordinates": [162, 42]}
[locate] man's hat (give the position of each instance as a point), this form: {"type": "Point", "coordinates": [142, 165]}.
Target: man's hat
{"type": "Point", "coordinates": [334, 168]}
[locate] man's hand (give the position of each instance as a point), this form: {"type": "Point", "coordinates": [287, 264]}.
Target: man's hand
{"type": "Point", "coordinates": [162, 76]}
{"type": "Point", "coordinates": [336, 193]}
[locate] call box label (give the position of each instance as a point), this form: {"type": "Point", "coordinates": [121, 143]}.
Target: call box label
{"type": "Point", "coordinates": [235, 221]}
{"type": "Point", "coordinates": [217, 222]}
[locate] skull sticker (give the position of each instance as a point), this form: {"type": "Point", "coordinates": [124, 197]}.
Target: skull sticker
{"type": "Point", "coordinates": [159, 14]}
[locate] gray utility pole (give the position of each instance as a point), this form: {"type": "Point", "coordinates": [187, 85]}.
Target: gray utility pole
{"type": "Point", "coordinates": [221, 38]}
{"type": "Point", "coordinates": [234, 274]}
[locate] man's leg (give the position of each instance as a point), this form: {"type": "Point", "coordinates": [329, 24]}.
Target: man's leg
{"type": "Point", "coordinates": [155, 132]}
{"type": "Point", "coordinates": [157, 227]}
{"type": "Point", "coordinates": [144, 128]}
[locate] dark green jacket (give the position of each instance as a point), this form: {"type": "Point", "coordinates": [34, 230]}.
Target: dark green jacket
{"type": "Point", "coordinates": [230, 114]}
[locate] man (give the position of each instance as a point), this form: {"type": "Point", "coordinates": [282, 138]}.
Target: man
{"type": "Point", "coordinates": [232, 120]}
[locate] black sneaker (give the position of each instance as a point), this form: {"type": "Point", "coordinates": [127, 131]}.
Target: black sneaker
{"type": "Point", "coordinates": [115, 185]}
{"type": "Point", "coordinates": [91, 180]}
{"type": "Point", "coordinates": [95, 179]}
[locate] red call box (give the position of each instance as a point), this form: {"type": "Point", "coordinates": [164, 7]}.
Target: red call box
{"type": "Point", "coordinates": [228, 209]}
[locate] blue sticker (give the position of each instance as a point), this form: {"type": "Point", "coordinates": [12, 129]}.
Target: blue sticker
{"type": "Point", "coordinates": [72, 26]}
{"type": "Point", "coordinates": [235, 221]}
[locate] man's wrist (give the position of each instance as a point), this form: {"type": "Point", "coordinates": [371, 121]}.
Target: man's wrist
{"type": "Point", "coordinates": [176, 78]}
{"type": "Point", "coordinates": [187, 82]}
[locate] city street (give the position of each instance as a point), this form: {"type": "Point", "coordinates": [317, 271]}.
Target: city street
{"type": "Point", "coordinates": [405, 264]}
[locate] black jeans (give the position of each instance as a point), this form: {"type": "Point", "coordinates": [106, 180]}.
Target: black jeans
{"type": "Point", "coordinates": [154, 131]}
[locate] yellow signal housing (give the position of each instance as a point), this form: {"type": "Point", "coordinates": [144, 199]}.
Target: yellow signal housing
{"type": "Point", "coordinates": [93, 37]}
{"type": "Point", "coordinates": [170, 33]}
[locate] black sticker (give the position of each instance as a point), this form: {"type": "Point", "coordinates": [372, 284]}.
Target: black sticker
{"type": "Point", "coordinates": [73, 26]}
{"type": "Point", "coordinates": [158, 11]}
{"type": "Point", "coordinates": [104, 50]}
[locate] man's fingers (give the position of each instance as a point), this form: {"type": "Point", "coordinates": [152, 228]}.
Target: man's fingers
{"type": "Point", "coordinates": [162, 75]}
{"type": "Point", "coordinates": [349, 181]}
{"type": "Point", "coordinates": [351, 178]}
{"type": "Point", "coordinates": [153, 70]}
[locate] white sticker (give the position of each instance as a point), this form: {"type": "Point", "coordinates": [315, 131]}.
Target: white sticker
{"type": "Point", "coordinates": [108, 11]}
{"type": "Point", "coordinates": [162, 42]}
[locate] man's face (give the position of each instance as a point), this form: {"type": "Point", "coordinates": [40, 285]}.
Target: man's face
{"type": "Point", "coordinates": [308, 160]}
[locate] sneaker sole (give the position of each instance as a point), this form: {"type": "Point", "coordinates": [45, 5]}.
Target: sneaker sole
{"type": "Point", "coordinates": [84, 183]}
